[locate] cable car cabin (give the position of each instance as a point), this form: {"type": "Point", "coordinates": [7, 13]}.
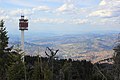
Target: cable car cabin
{"type": "Point", "coordinates": [23, 23]}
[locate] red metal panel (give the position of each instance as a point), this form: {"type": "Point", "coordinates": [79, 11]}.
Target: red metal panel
{"type": "Point", "coordinates": [23, 24]}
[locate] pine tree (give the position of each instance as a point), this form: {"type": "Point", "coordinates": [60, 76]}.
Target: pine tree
{"type": "Point", "coordinates": [3, 36]}
{"type": "Point", "coordinates": [48, 74]}
{"type": "Point", "coordinates": [116, 59]}
{"type": "Point", "coordinates": [16, 69]}
{"type": "Point", "coordinates": [3, 45]}
{"type": "Point", "coordinates": [37, 72]}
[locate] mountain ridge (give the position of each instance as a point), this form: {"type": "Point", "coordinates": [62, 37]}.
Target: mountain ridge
{"type": "Point", "coordinates": [74, 46]}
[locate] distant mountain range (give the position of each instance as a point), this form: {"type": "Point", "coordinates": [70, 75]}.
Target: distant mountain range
{"type": "Point", "coordinates": [90, 46]}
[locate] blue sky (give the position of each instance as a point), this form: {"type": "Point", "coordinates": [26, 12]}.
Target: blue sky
{"type": "Point", "coordinates": [62, 16]}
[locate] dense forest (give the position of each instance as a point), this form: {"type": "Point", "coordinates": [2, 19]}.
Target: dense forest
{"type": "Point", "coordinates": [13, 66]}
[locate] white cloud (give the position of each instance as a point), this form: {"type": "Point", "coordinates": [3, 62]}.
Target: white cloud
{"type": "Point", "coordinates": [41, 8]}
{"type": "Point", "coordinates": [103, 2]}
{"type": "Point", "coordinates": [106, 21]}
{"type": "Point", "coordinates": [4, 17]}
{"type": "Point", "coordinates": [48, 20]}
{"type": "Point", "coordinates": [107, 9]}
{"type": "Point", "coordinates": [60, 21]}
{"type": "Point", "coordinates": [79, 21]}
{"type": "Point", "coordinates": [66, 7]}
{"type": "Point", "coordinates": [23, 3]}
{"type": "Point", "coordinates": [21, 11]}
{"type": "Point", "coordinates": [28, 11]}
{"type": "Point", "coordinates": [107, 13]}
{"type": "Point", "coordinates": [2, 11]}
{"type": "Point", "coordinates": [102, 13]}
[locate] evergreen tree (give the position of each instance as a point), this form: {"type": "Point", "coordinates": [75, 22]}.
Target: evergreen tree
{"type": "Point", "coordinates": [37, 72]}
{"type": "Point", "coordinates": [3, 36]}
{"type": "Point", "coordinates": [48, 74]}
{"type": "Point", "coordinates": [16, 70]}
{"type": "Point", "coordinates": [116, 59]}
{"type": "Point", "coordinates": [6, 55]}
{"type": "Point", "coordinates": [3, 54]}
{"type": "Point", "coordinates": [65, 69]}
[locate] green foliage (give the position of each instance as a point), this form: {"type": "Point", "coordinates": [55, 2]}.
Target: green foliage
{"type": "Point", "coordinates": [37, 71]}
{"type": "Point", "coordinates": [11, 66]}
{"type": "Point", "coordinates": [16, 71]}
{"type": "Point", "coordinates": [3, 36]}
{"type": "Point", "coordinates": [5, 57]}
{"type": "Point", "coordinates": [48, 75]}
{"type": "Point", "coordinates": [65, 69]}
{"type": "Point", "coordinates": [116, 59]}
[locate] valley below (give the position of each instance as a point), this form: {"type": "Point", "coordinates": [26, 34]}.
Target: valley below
{"type": "Point", "coordinates": [92, 47]}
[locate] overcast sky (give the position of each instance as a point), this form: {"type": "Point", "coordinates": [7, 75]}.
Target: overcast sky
{"type": "Point", "coordinates": [62, 16]}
